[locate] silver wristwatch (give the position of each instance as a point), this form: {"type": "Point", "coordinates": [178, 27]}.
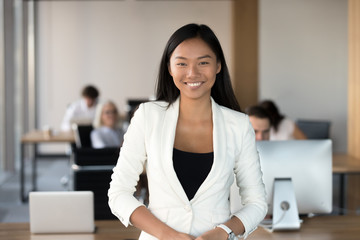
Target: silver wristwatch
{"type": "Point", "coordinates": [232, 235]}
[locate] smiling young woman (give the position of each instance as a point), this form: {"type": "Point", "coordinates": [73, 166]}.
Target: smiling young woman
{"type": "Point", "coordinates": [192, 141]}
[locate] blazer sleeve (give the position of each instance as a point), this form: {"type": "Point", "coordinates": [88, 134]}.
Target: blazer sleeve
{"type": "Point", "coordinates": [127, 170]}
{"type": "Point", "coordinates": [249, 180]}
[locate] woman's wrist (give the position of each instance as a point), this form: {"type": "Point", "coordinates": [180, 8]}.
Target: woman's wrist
{"type": "Point", "coordinates": [166, 232]}
{"type": "Point", "coordinates": [221, 233]}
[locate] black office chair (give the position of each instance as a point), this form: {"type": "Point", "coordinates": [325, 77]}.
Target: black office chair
{"type": "Point", "coordinates": [92, 169]}
{"type": "Point", "coordinates": [82, 136]}
{"type": "Point", "coordinates": [314, 129]}
{"type": "Point", "coordinates": [132, 105]}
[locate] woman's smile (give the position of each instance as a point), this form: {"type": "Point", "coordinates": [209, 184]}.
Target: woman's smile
{"type": "Point", "coordinates": [193, 85]}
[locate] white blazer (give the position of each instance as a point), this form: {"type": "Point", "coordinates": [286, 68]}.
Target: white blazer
{"type": "Point", "coordinates": [149, 142]}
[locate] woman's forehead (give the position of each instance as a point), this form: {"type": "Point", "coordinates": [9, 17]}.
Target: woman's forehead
{"type": "Point", "coordinates": [193, 48]}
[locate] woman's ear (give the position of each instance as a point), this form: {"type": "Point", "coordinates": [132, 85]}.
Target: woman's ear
{"type": "Point", "coordinates": [218, 67]}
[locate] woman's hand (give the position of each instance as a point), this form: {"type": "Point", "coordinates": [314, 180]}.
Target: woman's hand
{"type": "Point", "coordinates": [143, 219]}
{"type": "Point", "coordinates": [177, 236]}
{"type": "Point", "coordinates": [214, 234]}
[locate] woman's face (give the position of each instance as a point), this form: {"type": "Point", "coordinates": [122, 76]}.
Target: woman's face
{"type": "Point", "coordinates": [193, 66]}
{"type": "Point", "coordinates": [109, 115]}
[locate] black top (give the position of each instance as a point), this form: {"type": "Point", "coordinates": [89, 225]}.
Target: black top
{"type": "Point", "coordinates": [192, 169]}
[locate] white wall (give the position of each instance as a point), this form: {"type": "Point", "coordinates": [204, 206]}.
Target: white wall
{"type": "Point", "coordinates": [303, 60]}
{"type": "Point", "coordinates": [115, 45]}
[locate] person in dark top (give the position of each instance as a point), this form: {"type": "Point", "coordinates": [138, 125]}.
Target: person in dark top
{"type": "Point", "coordinates": [193, 141]}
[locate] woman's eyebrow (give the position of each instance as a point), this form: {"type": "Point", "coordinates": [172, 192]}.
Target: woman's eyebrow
{"type": "Point", "coordinates": [184, 58]}
{"type": "Point", "coordinates": [205, 56]}
{"type": "Point", "coordinates": [179, 57]}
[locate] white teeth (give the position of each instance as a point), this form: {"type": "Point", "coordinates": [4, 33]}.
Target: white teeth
{"type": "Point", "coordinates": [194, 84]}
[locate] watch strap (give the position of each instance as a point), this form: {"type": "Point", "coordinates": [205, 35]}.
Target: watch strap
{"type": "Point", "coordinates": [225, 228]}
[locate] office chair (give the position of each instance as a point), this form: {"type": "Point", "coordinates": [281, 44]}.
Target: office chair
{"type": "Point", "coordinates": [82, 136]}
{"type": "Point", "coordinates": [132, 105]}
{"type": "Point", "coordinates": [314, 129]}
{"type": "Point", "coordinates": [92, 169]}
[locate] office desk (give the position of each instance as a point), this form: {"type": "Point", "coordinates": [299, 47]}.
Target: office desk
{"type": "Point", "coordinates": [34, 138]}
{"type": "Point", "coordinates": [343, 165]}
{"type": "Point", "coordinates": [317, 228]}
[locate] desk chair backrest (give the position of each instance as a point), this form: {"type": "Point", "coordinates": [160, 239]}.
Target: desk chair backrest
{"type": "Point", "coordinates": [132, 105]}
{"type": "Point", "coordinates": [314, 129]}
{"type": "Point", "coordinates": [95, 156]}
{"type": "Point", "coordinates": [82, 136]}
{"type": "Point", "coordinates": [92, 170]}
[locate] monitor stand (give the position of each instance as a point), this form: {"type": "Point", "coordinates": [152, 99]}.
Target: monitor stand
{"type": "Point", "coordinates": [285, 211]}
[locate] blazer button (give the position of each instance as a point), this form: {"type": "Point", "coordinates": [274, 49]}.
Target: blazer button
{"type": "Point", "coordinates": [187, 208]}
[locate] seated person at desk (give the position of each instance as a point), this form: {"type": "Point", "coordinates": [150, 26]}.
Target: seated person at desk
{"type": "Point", "coordinates": [107, 132]}
{"type": "Point", "coordinates": [260, 121]}
{"type": "Point", "coordinates": [83, 110]}
{"type": "Point", "coordinates": [282, 128]}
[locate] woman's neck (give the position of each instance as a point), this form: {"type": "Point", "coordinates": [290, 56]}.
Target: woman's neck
{"type": "Point", "coordinates": [195, 109]}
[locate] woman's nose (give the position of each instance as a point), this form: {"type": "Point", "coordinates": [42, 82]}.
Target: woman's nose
{"type": "Point", "coordinates": [193, 72]}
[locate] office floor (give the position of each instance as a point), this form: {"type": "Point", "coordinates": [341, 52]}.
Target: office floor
{"type": "Point", "coordinates": [50, 173]}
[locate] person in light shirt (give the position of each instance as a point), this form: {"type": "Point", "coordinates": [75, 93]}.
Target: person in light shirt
{"type": "Point", "coordinates": [83, 110]}
{"type": "Point", "coordinates": [107, 131]}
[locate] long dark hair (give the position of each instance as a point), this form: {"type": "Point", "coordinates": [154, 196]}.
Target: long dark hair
{"type": "Point", "coordinates": [222, 91]}
{"type": "Point", "coordinates": [273, 112]}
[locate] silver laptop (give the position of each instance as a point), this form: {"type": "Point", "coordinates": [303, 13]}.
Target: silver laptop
{"type": "Point", "coordinates": [62, 212]}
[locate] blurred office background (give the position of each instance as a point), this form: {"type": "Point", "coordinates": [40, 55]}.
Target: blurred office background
{"type": "Point", "coordinates": [294, 52]}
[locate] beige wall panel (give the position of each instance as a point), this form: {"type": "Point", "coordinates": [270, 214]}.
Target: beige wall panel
{"type": "Point", "coordinates": [245, 15]}
{"type": "Point", "coordinates": [354, 79]}
{"type": "Point", "coordinates": [353, 196]}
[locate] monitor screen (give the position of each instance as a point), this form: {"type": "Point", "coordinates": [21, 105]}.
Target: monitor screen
{"type": "Point", "coordinates": [309, 165]}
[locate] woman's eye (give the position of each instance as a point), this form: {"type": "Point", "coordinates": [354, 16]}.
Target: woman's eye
{"type": "Point", "coordinates": [204, 63]}
{"type": "Point", "coordinates": [181, 64]}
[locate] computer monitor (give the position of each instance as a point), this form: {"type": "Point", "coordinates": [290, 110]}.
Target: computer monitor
{"type": "Point", "coordinates": [308, 164]}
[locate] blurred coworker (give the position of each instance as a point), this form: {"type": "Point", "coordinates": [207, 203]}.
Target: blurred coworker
{"type": "Point", "coordinates": [260, 121]}
{"type": "Point", "coordinates": [83, 110]}
{"type": "Point", "coordinates": [282, 128]}
{"type": "Point", "coordinates": [107, 131]}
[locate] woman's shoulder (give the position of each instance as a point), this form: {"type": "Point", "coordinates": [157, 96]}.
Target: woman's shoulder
{"type": "Point", "coordinates": [156, 104]}
{"type": "Point", "coordinates": [159, 106]}
{"type": "Point", "coordinates": [99, 130]}
{"type": "Point", "coordinates": [150, 110]}
{"type": "Point", "coordinates": [233, 114]}
{"type": "Point", "coordinates": [287, 123]}
{"type": "Point", "coordinates": [95, 132]}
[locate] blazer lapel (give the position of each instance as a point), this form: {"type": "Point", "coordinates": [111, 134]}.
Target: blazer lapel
{"type": "Point", "coordinates": [167, 145]}
{"type": "Point", "coordinates": [219, 145]}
